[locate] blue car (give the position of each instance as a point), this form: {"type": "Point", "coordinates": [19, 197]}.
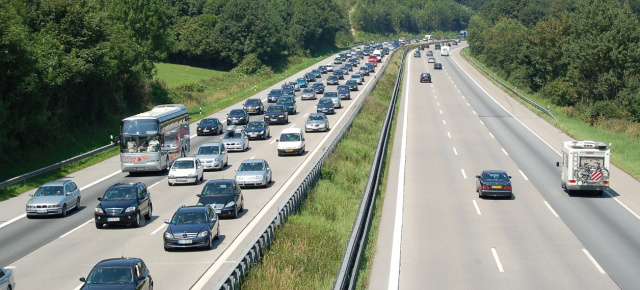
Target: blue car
{"type": "Point", "coordinates": [302, 82]}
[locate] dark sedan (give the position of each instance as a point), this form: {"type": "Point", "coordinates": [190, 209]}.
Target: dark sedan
{"type": "Point", "coordinates": [276, 114]}
{"type": "Point", "coordinates": [124, 203]}
{"type": "Point", "coordinates": [192, 226]}
{"type": "Point", "coordinates": [318, 87]}
{"type": "Point", "coordinates": [224, 195]}
{"type": "Point", "coordinates": [437, 65]}
{"type": "Point", "coordinates": [425, 78]}
{"type": "Point", "coordinates": [237, 117]}
{"type": "Point", "coordinates": [118, 273]}
{"type": "Point", "coordinates": [258, 130]}
{"type": "Point", "coordinates": [273, 95]}
{"type": "Point", "coordinates": [333, 80]}
{"type": "Point", "coordinates": [494, 183]}
{"type": "Point", "coordinates": [209, 126]}
{"type": "Point", "coordinates": [325, 105]}
{"type": "Point", "coordinates": [254, 106]}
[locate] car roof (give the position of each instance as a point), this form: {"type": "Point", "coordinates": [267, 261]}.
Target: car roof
{"type": "Point", "coordinates": [292, 130]}
{"type": "Point", "coordinates": [223, 181]}
{"type": "Point", "coordinates": [186, 159]}
{"type": "Point", "coordinates": [192, 208]}
{"type": "Point", "coordinates": [317, 114]}
{"type": "Point", "coordinates": [253, 161]}
{"type": "Point", "coordinates": [117, 262]}
{"type": "Point", "coordinates": [494, 171]}
{"type": "Point", "coordinates": [56, 182]}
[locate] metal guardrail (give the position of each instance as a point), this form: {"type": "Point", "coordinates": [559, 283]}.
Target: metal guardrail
{"type": "Point", "coordinates": [514, 91]}
{"type": "Point", "coordinates": [347, 274]}
{"type": "Point", "coordinates": [263, 241]}
{"type": "Point", "coordinates": [54, 166]}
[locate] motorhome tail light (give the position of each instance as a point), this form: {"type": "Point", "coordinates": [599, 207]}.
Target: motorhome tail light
{"type": "Point", "coordinates": [606, 182]}
{"type": "Point", "coordinates": [572, 181]}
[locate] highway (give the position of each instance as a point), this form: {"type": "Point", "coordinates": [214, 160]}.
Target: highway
{"type": "Point", "coordinates": [56, 252]}
{"type": "Point", "coordinates": [436, 233]}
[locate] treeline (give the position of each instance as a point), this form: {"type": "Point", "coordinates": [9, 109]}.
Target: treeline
{"type": "Point", "coordinates": [583, 55]}
{"type": "Point", "coordinates": [411, 16]}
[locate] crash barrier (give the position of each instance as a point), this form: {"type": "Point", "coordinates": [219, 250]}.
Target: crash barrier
{"type": "Point", "coordinates": [347, 274]}
{"type": "Point", "coordinates": [263, 241]}
{"type": "Point", "coordinates": [512, 90]}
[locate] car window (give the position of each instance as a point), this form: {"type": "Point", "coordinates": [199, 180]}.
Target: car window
{"type": "Point", "coordinates": [252, 166]}
{"type": "Point", "coordinates": [218, 189]}
{"type": "Point", "coordinates": [186, 217]}
{"type": "Point", "coordinates": [275, 109]}
{"type": "Point", "coordinates": [112, 275]}
{"type": "Point", "coordinates": [236, 113]}
{"type": "Point", "coordinates": [253, 125]}
{"type": "Point", "coordinates": [120, 194]}
{"type": "Point", "coordinates": [290, 137]}
{"type": "Point", "coordinates": [209, 150]}
{"type": "Point", "coordinates": [50, 191]}
{"type": "Point", "coordinates": [183, 164]}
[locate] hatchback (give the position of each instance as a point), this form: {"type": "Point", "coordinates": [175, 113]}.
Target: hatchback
{"type": "Point", "coordinates": [119, 273]}
{"type": "Point", "coordinates": [186, 170]}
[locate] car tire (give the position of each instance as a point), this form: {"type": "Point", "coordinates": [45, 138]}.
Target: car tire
{"type": "Point", "coordinates": [217, 236]}
{"type": "Point", "coordinates": [201, 177]}
{"type": "Point", "coordinates": [480, 194]}
{"type": "Point", "coordinates": [169, 183]}
{"type": "Point", "coordinates": [241, 206]}
{"type": "Point", "coordinates": [64, 210]}
{"type": "Point", "coordinates": [99, 225]}
{"type": "Point", "coordinates": [136, 223]}
{"type": "Point", "coordinates": [149, 213]}
{"type": "Point", "coordinates": [211, 246]}
{"type": "Point", "coordinates": [78, 203]}
{"type": "Point", "coordinates": [235, 213]}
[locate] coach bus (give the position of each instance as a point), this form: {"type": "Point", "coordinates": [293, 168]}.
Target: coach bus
{"type": "Point", "coordinates": [152, 140]}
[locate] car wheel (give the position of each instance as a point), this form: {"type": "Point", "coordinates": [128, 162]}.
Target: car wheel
{"type": "Point", "coordinates": [202, 177]}
{"type": "Point", "coordinates": [480, 194]}
{"type": "Point", "coordinates": [64, 210]}
{"type": "Point", "coordinates": [78, 203]}
{"type": "Point", "coordinates": [99, 225]}
{"type": "Point", "coordinates": [217, 236]}
{"type": "Point", "coordinates": [136, 223]}
{"type": "Point", "coordinates": [211, 245]}
{"type": "Point", "coordinates": [149, 213]}
{"type": "Point", "coordinates": [241, 206]}
{"type": "Point", "coordinates": [235, 213]}
{"type": "Point", "coordinates": [169, 183]}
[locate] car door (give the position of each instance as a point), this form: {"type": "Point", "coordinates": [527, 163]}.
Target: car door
{"type": "Point", "coordinates": [199, 169]}
{"type": "Point", "coordinates": [143, 272]}
{"type": "Point", "coordinates": [4, 279]}
{"type": "Point", "coordinates": [223, 152]}
{"type": "Point", "coordinates": [239, 199]}
{"type": "Point", "coordinates": [144, 200]}
{"type": "Point", "coordinates": [268, 169]}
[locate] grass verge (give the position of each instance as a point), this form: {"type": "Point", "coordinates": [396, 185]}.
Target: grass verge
{"type": "Point", "coordinates": [307, 251]}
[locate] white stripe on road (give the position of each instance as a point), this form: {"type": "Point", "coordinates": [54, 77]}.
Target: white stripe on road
{"type": "Point", "coordinates": [550, 208]}
{"type": "Point", "coordinates": [455, 151]}
{"type": "Point", "coordinates": [523, 176]}
{"type": "Point", "coordinates": [13, 220]}
{"type": "Point", "coordinates": [477, 207]}
{"type": "Point", "coordinates": [76, 228]}
{"type": "Point", "coordinates": [595, 263]}
{"type": "Point", "coordinates": [449, 134]}
{"type": "Point", "coordinates": [159, 228]}
{"type": "Point", "coordinates": [495, 256]}
{"type": "Point", "coordinates": [505, 151]}
{"type": "Point", "coordinates": [463, 174]}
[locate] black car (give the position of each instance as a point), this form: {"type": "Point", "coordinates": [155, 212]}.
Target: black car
{"type": "Point", "coordinates": [276, 114]}
{"type": "Point", "coordinates": [344, 92]}
{"type": "Point", "coordinates": [437, 65]}
{"type": "Point", "coordinates": [317, 73]}
{"type": "Point", "coordinates": [224, 195]}
{"type": "Point", "coordinates": [124, 204]}
{"type": "Point", "coordinates": [339, 74]}
{"type": "Point", "coordinates": [323, 69]}
{"type": "Point", "coordinates": [273, 95]}
{"type": "Point", "coordinates": [258, 130]}
{"type": "Point", "coordinates": [119, 273]}
{"type": "Point", "coordinates": [254, 105]}
{"type": "Point", "coordinates": [311, 77]}
{"type": "Point", "coordinates": [494, 183]}
{"type": "Point", "coordinates": [319, 87]}
{"type": "Point", "coordinates": [325, 105]}
{"type": "Point", "coordinates": [364, 70]}
{"type": "Point", "coordinates": [192, 226]}
{"type": "Point", "coordinates": [425, 78]}
{"type": "Point", "coordinates": [371, 67]}
{"type": "Point", "coordinates": [237, 117]}
{"type": "Point", "coordinates": [209, 126]}
{"type": "Point", "coordinates": [353, 85]}
{"type": "Point", "coordinates": [333, 80]}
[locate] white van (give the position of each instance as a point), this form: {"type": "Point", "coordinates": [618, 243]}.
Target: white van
{"type": "Point", "coordinates": [291, 141]}
{"type": "Point", "coordinates": [378, 54]}
{"type": "Point", "coordinates": [428, 37]}
{"type": "Point", "coordinates": [444, 51]}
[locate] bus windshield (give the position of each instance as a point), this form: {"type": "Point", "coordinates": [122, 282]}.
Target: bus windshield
{"type": "Point", "coordinates": [140, 127]}
{"type": "Point", "coordinates": [134, 144]}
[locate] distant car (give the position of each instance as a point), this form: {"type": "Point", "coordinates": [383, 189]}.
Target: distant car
{"type": "Point", "coordinates": [302, 82]}
{"type": "Point", "coordinates": [54, 198]}
{"type": "Point", "coordinates": [425, 78]}
{"type": "Point", "coordinates": [348, 67]}
{"type": "Point", "coordinates": [289, 103]}
{"type": "Point", "coordinates": [352, 84]}
{"type": "Point", "coordinates": [344, 91]}
{"type": "Point", "coordinates": [186, 170]}
{"type": "Point", "coordinates": [237, 117]}
{"type": "Point", "coordinates": [317, 73]}
{"type": "Point", "coordinates": [333, 95]}
{"type": "Point", "coordinates": [432, 60]}
{"type": "Point", "coordinates": [7, 281]}
{"type": "Point", "coordinates": [254, 106]}
{"type": "Point", "coordinates": [291, 141]}
{"type": "Point", "coordinates": [224, 195]}
{"type": "Point", "coordinates": [295, 86]}
{"type": "Point", "coordinates": [325, 105]}
{"type": "Point", "coordinates": [253, 172]}
{"type": "Point", "coordinates": [236, 140]}
{"type": "Point", "coordinates": [372, 68]}
{"type": "Point", "coordinates": [276, 114]}
{"type": "Point", "coordinates": [119, 273]}
{"type": "Point", "coordinates": [430, 53]}
{"type": "Point", "coordinates": [273, 95]}
{"type": "Point", "coordinates": [213, 155]}
{"type": "Point", "coordinates": [318, 87]}
{"type": "Point", "coordinates": [317, 122]}
{"type": "Point", "coordinates": [358, 77]}
{"type": "Point", "coordinates": [329, 67]}
{"type": "Point", "coordinates": [416, 54]}
{"type": "Point", "coordinates": [287, 91]}
{"type": "Point", "coordinates": [494, 183]}
{"type": "Point", "coordinates": [258, 130]}
{"type": "Point", "coordinates": [323, 69]}
{"type": "Point", "coordinates": [311, 77]}
{"type": "Point", "coordinates": [333, 80]}
{"type": "Point", "coordinates": [364, 70]}
{"type": "Point", "coordinates": [124, 204]}
{"type": "Point", "coordinates": [337, 60]}
{"type": "Point", "coordinates": [339, 73]}
{"type": "Point", "coordinates": [308, 94]}
{"type": "Point", "coordinates": [209, 126]}
{"type": "Point", "coordinates": [437, 65]}
{"type": "Point", "coordinates": [192, 226]}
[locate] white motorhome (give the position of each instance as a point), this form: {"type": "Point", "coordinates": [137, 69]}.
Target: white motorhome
{"type": "Point", "coordinates": [585, 166]}
{"type": "Point", "coordinates": [428, 37]}
{"type": "Point", "coordinates": [444, 51]}
{"type": "Point", "coordinates": [378, 54]}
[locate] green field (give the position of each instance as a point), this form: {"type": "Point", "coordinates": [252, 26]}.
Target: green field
{"type": "Point", "coordinates": [174, 74]}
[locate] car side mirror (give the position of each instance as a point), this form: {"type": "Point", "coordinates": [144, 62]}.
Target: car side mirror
{"type": "Point", "coordinates": [478, 176]}
{"type": "Point", "coordinates": [509, 176]}
{"type": "Point", "coordinates": [82, 279]}
{"type": "Point", "coordinates": [198, 195]}
{"type": "Point", "coordinates": [31, 194]}
{"type": "Point", "coordinates": [557, 164]}
{"type": "Point", "coordinates": [236, 170]}
{"type": "Point", "coordinates": [198, 123]}
{"type": "Point", "coordinates": [277, 140]}
{"type": "Point", "coordinates": [100, 198]}
{"type": "Point", "coordinates": [166, 221]}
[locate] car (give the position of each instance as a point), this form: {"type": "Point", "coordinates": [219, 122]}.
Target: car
{"type": "Point", "coordinates": [237, 117]}
{"type": "Point", "coordinates": [209, 126]}
{"type": "Point", "coordinates": [329, 67]}
{"type": "Point", "coordinates": [54, 198]}
{"type": "Point", "coordinates": [186, 170]}
{"type": "Point", "coordinates": [289, 103]}
{"type": "Point", "coordinates": [291, 141]}
{"type": "Point", "coordinates": [372, 68]}
{"type": "Point", "coordinates": [287, 91]}
{"type": "Point", "coordinates": [364, 70]}
{"type": "Point", "coordinates": [344, 91]}
{"type": "Point", "coordinates": [425, 77]}
{"type": "Point", "coordinates": [322, 69]}
{"type": "Point", "coordinates": [354, 62]}
{"type": "Point", "coordinates": [318, 87]}
{"type": "Point", "coordinates": [495, 183]}
{"type": "Point", "coordinates": [333, 80]}
{"type": "Point", "coordinates": [118, 273]}
{"type": "Point", "coordinates": [352, 84]}
{"type": "Point", "coordinates": [373, 61]}
{"type": "Point", "coordinates": [192, 226]}
{"type": "Point", "coordinates": [286, 86]}
{"type": "Point", "coordinates": [7, 280]}
{"type": "Point", "coordinates": [276, 114]}
{"type": "Point", "coordinates": [224, 195]}
{"type": "Point", "coordinates": [213, 155]}
{"type": "Point", "coordinates": [437, 65]}
{"type": "Point", "coordinates": [339, 74]}
{"type": "Point", "coordinates": [273, 95]}
{"type": "Point", "coordinates": [308, 94]}
{"type": "Point", "coordinates": [253, 172]}
{"type": "Point", "coordinates": [348, 67]}
{"type": "Point", "coordinates": [416, 54]}
{"type": "Point", "coordinates": [302, 82]}
{"type": "Point", "coordinates": [325, 105]}
{"type": "Point", "coordinates": [358, 77]}
{"type": "Point", "coordinates": [236, 140]}
{"type": "Point", "coordinates": [124, 204]}
{"type": "Point", "coordinates": [317, 122]}
{"type": "Point", "coordinates": [430, 53]}
{"type": "Point", "coordinates": [317, 73]}
{"type": "Point", "coordinates": [295, 86]}
{"type": "Point", "coordinates": [258, 130]}
{"type": "Point", "coordinates": [310, 77]}
{"type": "Point", "coordinates": [335, 98]}
{"type": "Point", "coordinates": [337, 60]}
{"type": "Point", "coordinates": [431, 60]}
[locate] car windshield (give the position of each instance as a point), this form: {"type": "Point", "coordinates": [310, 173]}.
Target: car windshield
{"type": "Point", "coordinates": [231, 135]}
{"type": "Point", "coordinates": [120, 194]}
{"type": "Point", "coordinates": [333, 77]}
{"type": "Point", "coordinates": [316, 118]}
{"type": "Point", "coordinates": [209, 150]}
{"type": "Point", "coordinates": [50, 191]}
{"type": "Point", "coordinates": [208, 121]}
{"type": "Point", "coordinates": [253, 102]}
{"type": "Point", "coordinates": [251, 166]}
{"type": "Point", "coordinates": [217, 189]}
{"type": "Point", "coordinates": [495, 176]}
{"type": "Point", "coordinates": [325, 102]}
{"type": "Point", "coordinates": [290, 137]}
{"type": "Point", "coordinates": [331, 94]}
{"type": "Point", "coordinates": [286, 101]}
{"type": "Point", "coordinates": [236, 113]}
{"type": "Point", "coordinates": [309, 91]}
{"type": "Point", "coordinates": [183, 164]}
{"type": "Point", "coordinates": [255, 125]}
{"type": "Point", "coordinates": [276, 92]}
{"type": "Point", "coordinates": [343, 89]}
{"type": "Point", "coordinates": [183, 218]}
{"type": "Point", "coordinates": [121, 275]}
{"type": "Point", "coordinates": [275, 109]}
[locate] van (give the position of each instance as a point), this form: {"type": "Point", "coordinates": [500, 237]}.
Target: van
{"type": "Point", "coordinates": [444, 51]}
{"type": "Point", "coordinates": [291, 141]}
{"type": "Point", "coordinates": [378, 55]}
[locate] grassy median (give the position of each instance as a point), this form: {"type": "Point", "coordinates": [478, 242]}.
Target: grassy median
{"type": "Point", "coordinates": [307, 250]}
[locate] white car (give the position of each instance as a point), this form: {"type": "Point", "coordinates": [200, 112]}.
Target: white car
{"type": "Point", "coordinates": [186, 170]}
{"type": "Point", "coordinates": [432, 60]}
{"type": "Point", "coordinates": [291, 141]}
{"type": "Point", "coordinates": [213, 155]}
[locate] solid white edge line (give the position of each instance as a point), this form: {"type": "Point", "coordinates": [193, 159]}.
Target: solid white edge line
{"type": "Point", "coordinates": [444, 122]}
{"type": "Point", "coordinates": [155, 184]}
{"type": "Point", "coordinates": [78, 288]}
{"type": "Point", "coordinates": [595, 263]}
{"type": "Point", "coordinates": [394, 268]}
{"type": "Point", "coordinates": [523, 176]}
{"type": "Point", "coordinates": [13, 220]}
{"type": "Point", "coordinates": [477, 207]}
{"type": "Point", "coordinates": [505, 151]}
{"type": "Point", "coordinates": [551, 209]}
{"type": "Point", "coordinates": [274, 141]}
{"type": "Point", "coordinates": [492, 135]}
{"type": "Point", "coordinates": [159, 228]}
{"type": "Point", "coordinates": [495, 257]}
{"type": "Point", "coordinates": [76, 228]}
{"type": "Point", "coordinates": [449, 134]}
{"type": "Point", "coordinates": [463, 173]}
{"type": "Point", "coordinates": [481, 122]}
{"type": "Point", "coordinates": [455, 151]}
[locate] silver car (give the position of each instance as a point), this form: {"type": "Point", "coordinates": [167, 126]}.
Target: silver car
{"type": "Point", "coordinates": [6, 279]}
{"type": "Point", "coordinates": [253, 172]}
{"type": "Point", "coordinates": [213, 155]}
{"type": "Point", "coordinates": [358, 77]}
{"type": "Point", "coordinates": [236, 140]}
{"type": "Point", "coordinates": [54, 198]}
{"type": "Point", "coordinates": [308, 94]}
{"type": "Point", "coordinates": [317, 122]}
{"type": "Point", "coordinates": [335, 97]}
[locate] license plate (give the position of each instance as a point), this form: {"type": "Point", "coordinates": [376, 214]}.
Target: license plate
{"type": "Point", "coordinates": [497, 186]}
{"type": "Point", "coordinates": [205, 130]}
{"type": "Point", "coordinates": [288, 150]}
{"type": "Point", "coordinates": [252, 110]}
{"type": "Point", "coordinates": [181, 179]}
{"type": "Point", "coordinates": [115, 219]}
{"type": "Point", "coordinates": [218, 211]}
{"type": "Point", "coordinates": [185, 241]}
{"type": "Point", "coordinates": [42, 211]}
{"type": "Point", "coordinates": [139, 168]}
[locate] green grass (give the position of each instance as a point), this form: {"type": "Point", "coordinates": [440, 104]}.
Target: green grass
{"type": "Point", "coordinates": [307, 250]}
{"type": "Point", "coordinates": [173, 74]}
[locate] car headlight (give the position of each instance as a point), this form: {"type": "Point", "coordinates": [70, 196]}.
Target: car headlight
{"type": "Point", "coordinates": [99, 210]}
{"type": "Point", "coordinates": [259, 177]}
{"type": "Point", "coordinates": [191, 175]}
{"type": "Point", "coordinates": [131, 209]}
{"type": "Point", "coordinates": [171, 175]}
{"type": "Point", "coordinates": [231, 204]}
{"type": "Point", "coordinates": [261, 132]}
{"type": "Point", "coordinates": [168, 235]}
{"type": "Point", "coordinates": [281, 116]}
{"type": "Point", "coordinates": [203, 234]}
{"type": "Point", "coordinates": [199, 203]}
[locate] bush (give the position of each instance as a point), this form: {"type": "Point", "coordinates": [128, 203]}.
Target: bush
{"type": "Point", "coordinates": [561, 92]}
{"type": "Point", "coordinates": [191, 87]}
{"type": "Point", "coordinates": [250, 65]}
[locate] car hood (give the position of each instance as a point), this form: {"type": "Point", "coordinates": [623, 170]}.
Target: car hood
{"type": "Point", "coordinates": [46, 199]}
{"type": "Point", "coordinates": [235, 117]}
{"type": "Point", "coordinates": [254, 129]}
{"type": "Point", "coordinates": [252, 106]}
{"type": "Point", "coordinates": [109, 286]}
{"type": "Point", "coordinates": [316, 122]}
{"type": "Point", "coordinates": [325, 105]}
{"type": "Point", "coordinates": [207, 126]}
{"type": "Point", "coordinates": [208, 156]}
{"type": "Point", "coordinates": [233, 140]}
{"type": "Point", "coordinates": [216, 199]}
{"type": "Point", "coordinates": [182, 172]}
{"type": "Point", "coordinates": [118, 203]}
{"type": "Point", "coordinates": [187, 228]}
{"type": "Point", "coordinates": [249, 173]}
{"type": "Point", "coordinates": [274, 113]}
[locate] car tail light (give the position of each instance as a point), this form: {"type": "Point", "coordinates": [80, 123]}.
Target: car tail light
{"type": "Point", "coordinates": [606, 182]}
{"type": "Point", "coordinates": [507, 187]}
{"type": "Point", "coordinates": [572, 181]}
{"type": "Point", "coordinates": [486, 187]}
